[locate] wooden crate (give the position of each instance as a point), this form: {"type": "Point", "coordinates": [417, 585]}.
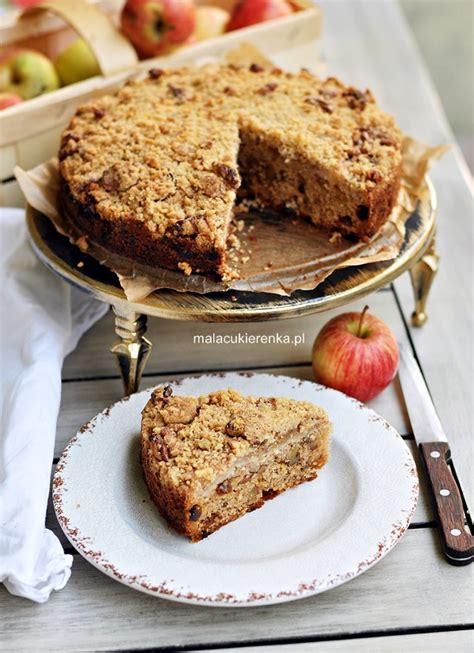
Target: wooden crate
{"type": "Point", "coordinates": [29, 132]}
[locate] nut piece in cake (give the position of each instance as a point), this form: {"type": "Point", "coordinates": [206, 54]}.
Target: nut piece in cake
{"type": "Point", "coordinates": [208, 460]}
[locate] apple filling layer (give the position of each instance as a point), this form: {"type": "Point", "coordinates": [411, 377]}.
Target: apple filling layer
{"type": "Point", "coordinates": [260, 478]}
{"type": "Point", "coordinates": [209, 460]}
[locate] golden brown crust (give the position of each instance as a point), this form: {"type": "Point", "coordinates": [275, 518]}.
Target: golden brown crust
{"type": "Point", "coordinates": [208, 460]}
{"type": "Point", "coordinates": [153, 171]}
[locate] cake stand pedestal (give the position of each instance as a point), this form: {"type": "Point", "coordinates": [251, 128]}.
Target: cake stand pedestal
{"type": "Point", "coordinates": [132, 349]}
{"type": "Point", "coordinates": [422, 273]}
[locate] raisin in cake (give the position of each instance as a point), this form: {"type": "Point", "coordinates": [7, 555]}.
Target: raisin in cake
{"type": "Point", "coordinates": [208, 460]}
{"type": "Point", "coordinates": [152, 172]}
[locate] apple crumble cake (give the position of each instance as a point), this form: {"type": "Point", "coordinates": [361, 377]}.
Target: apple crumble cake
{"type": "Point", "coordinates": [208, 460]}
{"type": "Point", "coordinates": [152, 172]}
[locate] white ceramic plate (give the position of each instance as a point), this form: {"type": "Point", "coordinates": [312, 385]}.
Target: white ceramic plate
{"type": "Point", "coordinates": [303, 542]}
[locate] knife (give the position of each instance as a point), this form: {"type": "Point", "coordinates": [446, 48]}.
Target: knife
{"type": "Point", "coordinates": [452, 515]}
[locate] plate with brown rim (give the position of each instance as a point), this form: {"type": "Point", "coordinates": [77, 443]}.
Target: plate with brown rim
{"type": "Point", "coordinates": [294, 546]}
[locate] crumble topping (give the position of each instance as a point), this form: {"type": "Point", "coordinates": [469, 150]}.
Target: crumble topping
{"type": "Point", "coordinates": [200, 437]}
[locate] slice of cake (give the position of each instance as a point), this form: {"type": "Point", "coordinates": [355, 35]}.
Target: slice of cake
{"type": "Point", "coordinates": [152, 172]}
{"type": "Point", "coordinates": [208, 460]}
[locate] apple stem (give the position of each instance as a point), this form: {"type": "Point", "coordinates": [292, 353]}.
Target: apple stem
{"type": "Point", "coordinates": [361, 319]}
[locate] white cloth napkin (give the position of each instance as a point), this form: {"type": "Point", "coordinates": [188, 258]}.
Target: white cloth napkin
{"type": "Point", "coordinates": [42, 319]}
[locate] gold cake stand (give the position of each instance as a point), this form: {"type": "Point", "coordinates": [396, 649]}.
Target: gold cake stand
{"type": "Point", "coordinates": [132, 349]}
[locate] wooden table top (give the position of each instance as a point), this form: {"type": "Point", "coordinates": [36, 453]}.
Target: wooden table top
{"type": "Point", "coordinates": [412, 600]}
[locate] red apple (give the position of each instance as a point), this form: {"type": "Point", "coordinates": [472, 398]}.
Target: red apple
{"type": "Point", "coordinates": [24, 4]}
{"type": "Point", "coordinates": [9, 100]}
{"type": "Point", "coordinates": [357, 354]}
{"type": "Point", "coordinates": [249, 12]}
{"type": "Point", "coordinates": [154, 26]}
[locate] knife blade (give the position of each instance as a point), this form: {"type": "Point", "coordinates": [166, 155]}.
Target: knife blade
{"type": "Point", "coordinates": [446, 496]}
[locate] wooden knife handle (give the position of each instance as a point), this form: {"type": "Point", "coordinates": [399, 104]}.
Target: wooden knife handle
{"type": "Point", "coordinates": [458, 544]}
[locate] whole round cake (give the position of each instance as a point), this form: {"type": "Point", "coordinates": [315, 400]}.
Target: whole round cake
{"type": "Point", "coordinates": [153, 172]}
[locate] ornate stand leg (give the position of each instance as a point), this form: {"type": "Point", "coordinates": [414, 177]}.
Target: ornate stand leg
{"type": "Point", "coordinates": [133, 349]}
{"type": "Point", "coordinates": [422, 275]}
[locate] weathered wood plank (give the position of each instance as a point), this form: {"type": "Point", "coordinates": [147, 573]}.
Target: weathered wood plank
{"type": "Point", "coordinates": [460, 641]}
{"type": "Point", "coordinates": [97, 613]}
{"type": "Point", "coordinates": [175, 351]}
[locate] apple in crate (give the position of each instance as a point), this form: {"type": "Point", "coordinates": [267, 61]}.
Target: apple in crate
{"type": "Point", "coordinates": [76, 62]}
{"type": "Point", "coordinates": [27, 73]}
{"type": "Point", "coordinates": [250, 12]}
{"type": "Point", "coordinates": [357, 354]}
{"type": "Point", "coordinates": [210, 22]}
{"type": "Point", "coordinates": [9, 100]}
{"type": "Point", "coordinates": [155, 26]}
